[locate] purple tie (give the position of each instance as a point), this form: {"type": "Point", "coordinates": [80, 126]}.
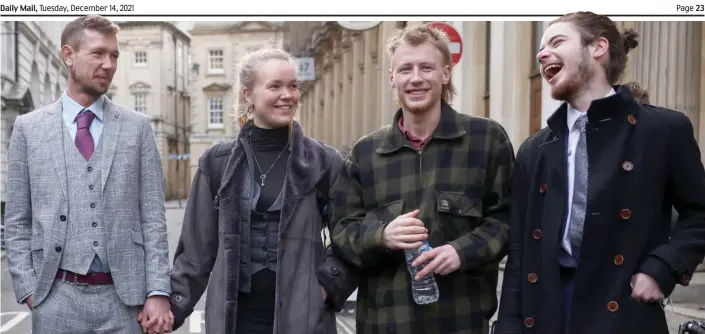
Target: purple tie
{"type": "Point", "coordinates": [84, 140]}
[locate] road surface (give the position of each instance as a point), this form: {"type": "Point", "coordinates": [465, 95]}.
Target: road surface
{"type": "Point", "coordinates": [15, 318]}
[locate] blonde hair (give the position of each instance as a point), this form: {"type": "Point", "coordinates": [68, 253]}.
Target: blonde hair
{"type": "Point", "coordinates": [248, 76]}
{"type": "Point", "coordinates": [417, 35]}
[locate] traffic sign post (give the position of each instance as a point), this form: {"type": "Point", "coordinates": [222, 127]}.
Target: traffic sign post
{"type": "Point", "coordinates": [456, 42]}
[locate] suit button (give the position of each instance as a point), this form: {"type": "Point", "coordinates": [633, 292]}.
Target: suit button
{"type": "Point", "coordinates": [178, 298]}
{"type": "Point", "coordinates": [532, 278]}
{"type": "Point", "coordinates": [333, 270]}
{"type": "Point", "coordinates": [58, 249]}
{"type": "Point", "coordinates": [529, 322]}
{"type": "Point", "coordinates": [92, 205]}
{"type": "Point", "coordinates": [618, 260]}
{"type": "Point", "coordinates": [542, 188]}
{"type": "Point", "coordinates": [63, 218]}
{"type": "Point", "coordinates": [90, 187]}
{"type": "Point", "coordinates": [94, 224]}
{"type": "Point", "coordinates": [89, 169]}
{"type": "Point", "coordinates": [631, 119]}
{"type": "Point", "coordinates": [613, 306]}
{"type": "Point", "coordinates": [625, 214]}
{"type": "Point", "coordinates": [627, 166]}
{"type": "Point", "coordinates": [537, 234]}
{"type": "Point", "coordinates": [95, 243]}
{"type": "Point", "coordinates": [685, 279]}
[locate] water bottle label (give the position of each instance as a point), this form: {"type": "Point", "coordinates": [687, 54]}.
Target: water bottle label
{"type": "Point", "coordinates": [425, 247]}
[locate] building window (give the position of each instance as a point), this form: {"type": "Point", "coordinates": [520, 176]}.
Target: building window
{"type": "Point", "coordinates": [215, 61]}
{"type": "Point", "coordinates": [215, 112]}
{"type": "Point", "coordinates": [141, 102]}
{"type": "Point", "coordinates": [140, 58]}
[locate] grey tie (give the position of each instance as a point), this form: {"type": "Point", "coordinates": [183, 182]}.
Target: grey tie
{"type": "Point", "coordinates": [580, 183]}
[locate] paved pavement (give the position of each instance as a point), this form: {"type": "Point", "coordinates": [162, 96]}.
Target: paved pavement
{"type": "Point", "coordinates": [15, 318]}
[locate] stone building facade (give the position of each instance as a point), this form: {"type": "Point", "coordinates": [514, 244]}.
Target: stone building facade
{"type": "Point", "coordinates": [497, 76]}
{"type": "Point", "coordinates": [153, 78]}
{"type": "Point", "coordinates": [32, 75]}
{"type": "Point", "coordinates": [216, 51]}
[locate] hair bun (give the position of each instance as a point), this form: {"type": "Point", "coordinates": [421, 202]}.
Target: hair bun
{"type": "Point", "coordinates": [629, 37]}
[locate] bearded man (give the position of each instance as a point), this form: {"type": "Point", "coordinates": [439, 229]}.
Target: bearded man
{"type": "Point", "coordinates": [433, 175]}
{"type": "Point", "coordinates": [85, 226]}
{"type": "Point", "coordinates": [592, 249]}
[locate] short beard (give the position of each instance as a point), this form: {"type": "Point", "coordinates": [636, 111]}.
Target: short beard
{"type": "Point", "coordinates": [567, 90]}
{"type": "Point", "coordinates": [87, 89]}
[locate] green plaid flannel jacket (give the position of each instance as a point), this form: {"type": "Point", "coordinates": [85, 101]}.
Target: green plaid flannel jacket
{"type": "Point", "coordinates": [460, 181]}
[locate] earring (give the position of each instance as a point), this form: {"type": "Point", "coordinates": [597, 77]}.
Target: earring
{"type": "Point", "coordinates": [250, 108]}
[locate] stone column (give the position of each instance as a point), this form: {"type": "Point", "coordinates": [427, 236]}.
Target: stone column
{"type": "Point", "coordinates": [668, 64]}
{"type": "Point", "coordinates": [388, 105]}
{"type": "Point", "coordinates": [472, 70]}
{"type": "Point", "coordinates": [346, 89]}
{"type": "Point", "coordinates": [328, 106]}
{"type": "Point", "coordinates": [317, 98]}
{"type": "Point", "coordinates": [509, 83]}
{"type": "Point", "coordinates": [372, 78]}
{"type": "Point", "coordinates": [357, 104]}
{"type": "Point", "coordinates": [335, 90]}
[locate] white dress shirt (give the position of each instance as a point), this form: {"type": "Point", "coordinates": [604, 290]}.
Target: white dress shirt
{"type": "Point", "coordinates": [573, 137]}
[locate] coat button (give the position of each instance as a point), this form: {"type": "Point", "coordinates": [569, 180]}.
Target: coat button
{"type": "Point", "coordinates": [63, 218]}
{"type": "Point", "coordinates": [532, 278]}
{"type": "Point", "coordinates": [178, 298]}
{"type": "Point", "coordinates": [625, 214]}
{"type": "Point", "coordinates": [333, 270]}
{"type": "Point", "coordinates": [529, 322]}
{"type": "Point", "coordinates": [685, 279]}
{"type": "Point", "coordinates": [631, 119]}
{"type": "Point", "coordinates": [613, 306]}
{"type": "Point", "coordinates": [58, 249]}
{"type": "Point", "coordinates": [542, 188]}
{"type": "Point", "coordinates": [537, 234]}
{"type": "Point", "coordinates": [94, 224]}
{"type": "Point", "coordinates": [627, 166]}
{"type": "Point", "coordinates": [618, 260]}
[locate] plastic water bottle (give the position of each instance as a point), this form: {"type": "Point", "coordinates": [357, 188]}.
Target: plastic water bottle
{"type": "Point", "coordinates": [425, 291]}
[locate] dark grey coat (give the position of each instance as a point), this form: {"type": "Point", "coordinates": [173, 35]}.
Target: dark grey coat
{"type": "Point", "coordinates": [210, 244]}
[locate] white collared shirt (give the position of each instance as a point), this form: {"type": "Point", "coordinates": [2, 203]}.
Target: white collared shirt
{"type": "Point", "coordinates": [573, 137]}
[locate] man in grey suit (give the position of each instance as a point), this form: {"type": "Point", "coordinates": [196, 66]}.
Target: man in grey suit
{"type": "Point", "coordinates": [85, 225]}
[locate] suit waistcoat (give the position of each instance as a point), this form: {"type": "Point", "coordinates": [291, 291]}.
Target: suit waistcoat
{"type": "Point", "coordinates": [85, 234]}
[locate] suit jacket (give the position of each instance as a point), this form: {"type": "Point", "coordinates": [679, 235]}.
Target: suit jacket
{"type": "Point", "coordinates": [133, 192]}
{"type": "Point", "coordinates": [644, 160]}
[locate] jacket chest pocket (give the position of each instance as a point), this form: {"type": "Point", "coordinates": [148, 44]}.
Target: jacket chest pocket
{"type": "Point", "coordinates": [458, 212]}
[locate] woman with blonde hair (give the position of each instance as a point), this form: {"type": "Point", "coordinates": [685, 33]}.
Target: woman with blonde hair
{"type": "Point", "coordinates": [254, 217]}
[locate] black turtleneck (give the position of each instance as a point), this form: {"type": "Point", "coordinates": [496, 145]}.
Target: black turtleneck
{"type": "Point", "coordinates": [267, 144]}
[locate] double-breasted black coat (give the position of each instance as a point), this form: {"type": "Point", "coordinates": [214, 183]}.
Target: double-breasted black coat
{"type": "Point", "coordinates": [642, 161]}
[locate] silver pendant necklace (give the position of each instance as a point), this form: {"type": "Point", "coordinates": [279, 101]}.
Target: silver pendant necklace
{"type": "Point", "coordinates": [263, 176]}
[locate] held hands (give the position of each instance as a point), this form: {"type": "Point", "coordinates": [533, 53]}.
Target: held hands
{"type": "Point", "coordinates": [645, 289]}
{"type": "Point", "coordinates": [156, 316]}
{"type": "Point", "coordinates": [405, 232]}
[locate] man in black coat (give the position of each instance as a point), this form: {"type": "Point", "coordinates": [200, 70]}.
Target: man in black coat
{"type": "Point", "coordinates": [592, 250]}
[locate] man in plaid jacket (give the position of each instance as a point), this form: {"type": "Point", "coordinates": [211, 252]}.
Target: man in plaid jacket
{"type": "Point", "coordinates": [434, 174]}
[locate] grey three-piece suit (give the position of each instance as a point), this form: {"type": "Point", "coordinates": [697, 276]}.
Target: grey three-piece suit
{"type": "Point", "coordinates": [67, 213]}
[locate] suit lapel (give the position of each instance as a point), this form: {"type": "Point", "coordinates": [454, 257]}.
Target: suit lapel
{"type": "Point", "coordinates": [55, 143]}
{"type": "Point", "coordinates": [110, 138]}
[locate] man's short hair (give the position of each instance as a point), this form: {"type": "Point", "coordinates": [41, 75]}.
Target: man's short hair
{"type": "Point", "coordinates": [73, 31]}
